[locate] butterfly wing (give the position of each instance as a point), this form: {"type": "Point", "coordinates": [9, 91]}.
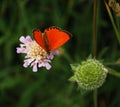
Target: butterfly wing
{"type": "Point", "coordinates": [56, 37]}
{"type": "Point", "coordinates": [39, 38]}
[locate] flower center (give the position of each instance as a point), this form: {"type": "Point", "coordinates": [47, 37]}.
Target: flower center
{"type": "Point", "coordinates": [35, 51]}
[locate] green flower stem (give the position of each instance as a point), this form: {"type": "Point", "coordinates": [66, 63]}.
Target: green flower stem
{"type": "Point", "coordinates": [95, 43]}
{"type": "Point", "coordinates": [113, 72]}
{"type": "Point", "coordinates": [112, 21]}
{"type": "Point", "coordinates": [95, 97]}
{"type": "Point", "coordinates": [95, 27]}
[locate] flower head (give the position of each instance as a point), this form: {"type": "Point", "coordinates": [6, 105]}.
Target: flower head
{"type": "Point", "coordinates": [36, 56]}
{"type": "Point", "coordinates": [115, 7]}
{"type": "Point", "coordinates": [89, 75]}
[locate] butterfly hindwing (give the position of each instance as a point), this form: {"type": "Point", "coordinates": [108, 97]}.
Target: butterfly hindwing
{"type": "Point", "coordinates": [56, 37]}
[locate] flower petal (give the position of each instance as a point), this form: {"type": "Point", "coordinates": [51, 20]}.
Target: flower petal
{"type": "Point", "coordinates": [22, 39]}
{"type": "Point", "coordinates": [27, 62]}
{"type": "Point", "coordinates": [35, 67]}
{"type": "Point", "coordinates": [56, 52]}
{"type": "Point", "coordinates": [47, 65]}
{"type": "Point", "coordinates": [50, 56]}
{"type": "Point", "coordinates": [20, 50]}
{"type": "Point", "coordinates": [41, 64]}
{"type": "Point", "coordinates": [28, 38]}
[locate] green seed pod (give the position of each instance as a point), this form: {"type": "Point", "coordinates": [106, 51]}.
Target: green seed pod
{"type": "Point", "coordinates": [89, 75]}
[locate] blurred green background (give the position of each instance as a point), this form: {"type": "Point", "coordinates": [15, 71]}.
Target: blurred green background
{"type": "Point", "coordinates": [20, 87]}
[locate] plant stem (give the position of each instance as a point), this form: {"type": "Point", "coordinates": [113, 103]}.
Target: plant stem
{"type": "Point", "coordinates": [95, 27]}
{"type": "Point", "coordinates": [95, 97]}
{"type": "Point", "coordinates": [113, 72]}
{"type": "Point", "coordinates": [113, 22]}
{"type": "Point", "coordinates": [95, 43]}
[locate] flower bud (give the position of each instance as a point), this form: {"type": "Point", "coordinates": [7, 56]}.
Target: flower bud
{"type": "Point", "coordinates": [89, 75]}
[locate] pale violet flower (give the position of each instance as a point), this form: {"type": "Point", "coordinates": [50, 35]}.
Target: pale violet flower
{"type": "Point", "coordinates": [36, 56]}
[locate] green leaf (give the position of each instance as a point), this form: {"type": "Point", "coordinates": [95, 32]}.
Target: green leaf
{"type": "Point", "coordinates": [72, 79]}
{"type": "Point", "coordinates": [74, 67]}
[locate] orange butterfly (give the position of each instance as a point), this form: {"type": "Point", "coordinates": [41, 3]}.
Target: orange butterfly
{"type": "Point", "coordinates": [52, 38]}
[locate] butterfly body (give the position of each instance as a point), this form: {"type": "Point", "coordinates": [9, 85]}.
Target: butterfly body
{"type": "Point", "coordinates": [46, 42]}
{"type": "Point", "coordinates": [52, 38]}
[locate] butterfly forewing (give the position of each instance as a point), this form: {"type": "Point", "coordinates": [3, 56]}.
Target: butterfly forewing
{"type": "Point", "coordinates": [56, 37]}
{"type": "Point", "coordinates": [39, 38]}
